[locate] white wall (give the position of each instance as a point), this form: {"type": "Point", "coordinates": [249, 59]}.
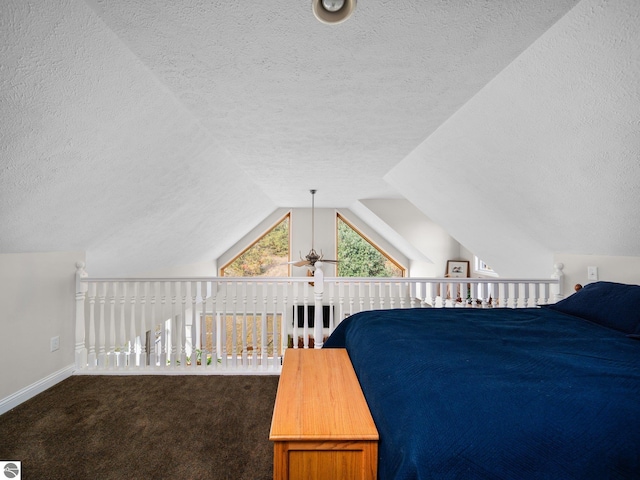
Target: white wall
{"type": "Point", "coordinates": [432, 245]}
{"type": "Point", "coordinates": [201, 269]}
{"type": "Point", "coordinates": [324, 241]}
{"type": "Point", "coordinates": [37, 302]}
{"type": "Point", "coordinates": [611, 269]}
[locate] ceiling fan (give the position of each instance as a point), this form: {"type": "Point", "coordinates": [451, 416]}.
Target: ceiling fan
{"type": "Point", "coordinates": [312, 257]}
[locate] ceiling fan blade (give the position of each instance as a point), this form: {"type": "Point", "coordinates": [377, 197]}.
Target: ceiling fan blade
{"type": "Point", "coordinates": [300, 263]}
{"type": "Point", "coordinates": [329, 261]}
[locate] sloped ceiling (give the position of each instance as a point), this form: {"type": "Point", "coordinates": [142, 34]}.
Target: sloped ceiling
{"type": "Point", "coordinates": [546, 157]}
{"type": "Point", "coordinates": [152, 133]}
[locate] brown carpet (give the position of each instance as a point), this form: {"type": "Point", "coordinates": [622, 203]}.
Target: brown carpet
{"type": "Point", "coordinates": [144, 427]}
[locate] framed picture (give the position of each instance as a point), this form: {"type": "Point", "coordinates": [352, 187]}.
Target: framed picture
{"type": "Point", "coordinates": [457, 269]}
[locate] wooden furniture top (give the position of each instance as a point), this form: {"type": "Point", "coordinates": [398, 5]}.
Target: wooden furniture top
{"type": "Point", "coordinates": [319, 398]}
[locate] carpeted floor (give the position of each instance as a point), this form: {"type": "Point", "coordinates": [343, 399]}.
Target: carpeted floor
{"type": "Point", "coordinates": [144, 427]}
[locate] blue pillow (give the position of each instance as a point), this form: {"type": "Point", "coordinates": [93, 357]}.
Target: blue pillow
{"type": "Point", "coordinates": [613, 305]}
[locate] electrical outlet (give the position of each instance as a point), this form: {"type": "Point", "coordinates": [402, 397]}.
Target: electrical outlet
{"type": "Point", "coordinates": [592, 273]}
{"type": "Point", "coordinates": [55, 343]}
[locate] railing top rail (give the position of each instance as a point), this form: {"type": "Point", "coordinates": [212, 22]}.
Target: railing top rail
{"type": "Point", "coordinates": [326, 280]}
{"type": "Point", "coordinates": [437, 280]}
{"type": "Point", "coordinates": [199, 279]}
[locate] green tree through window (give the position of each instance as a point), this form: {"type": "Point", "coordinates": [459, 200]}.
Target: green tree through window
{"type": "Point", "coordinates": [267, 257]}
{"type": "Point", "coordinates": [358, 257]}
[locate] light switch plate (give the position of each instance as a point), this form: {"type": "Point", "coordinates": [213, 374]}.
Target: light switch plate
{"type": "Point", "coordinates": [592, 273]}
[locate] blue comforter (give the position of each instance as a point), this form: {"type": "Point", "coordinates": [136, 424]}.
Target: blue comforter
{"type": "Point", "coordinates": [497, 393]}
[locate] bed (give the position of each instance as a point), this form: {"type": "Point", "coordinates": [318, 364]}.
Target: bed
{"type": "Point", "coordinates": [544, 393]}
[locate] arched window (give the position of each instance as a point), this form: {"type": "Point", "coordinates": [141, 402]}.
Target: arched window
{"type": "Point", "coordinates": [360, 257]}
{"type": "Point", "coordinates": [266, 257]}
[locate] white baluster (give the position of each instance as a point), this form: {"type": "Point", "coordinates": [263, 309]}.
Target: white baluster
{"type": "Point", "coordinates": [204, 351]}
{"type": "Point", "coordinates": [222, 327]}
{"type": "Point", "coordinates": [275, 330]}
{"type": "Point", "coordinates": [143, 325]}
{"type": "Point", "coordinates": [92, 325]}
{"type": "Point", "coordinates": [544, 293]}
{"type": "Point", "coordinates": [254, 332]}
{"type": "Point", "coordinates": [483, 290]}
{"type": "Point", "coordinates": [153, 359]}
{"type": "Point", "coordinates": [132, 325]}
{"type": "Point", "coordinates": [505, 298]}
{"type": "Point", "coordinates": [352, 297]}
{"type": "Point", "coordinates": [294, 332]}
{"type": "Point", "coordinates": [102, 356]}
{"type": "Point", "coordinates": [318, 292]}
{"type": "Point", "coordinates": [372, 295]}
{"type": "Point", "coordinates": [264, 327]}
{"type": "Point", "coordinates": [245, 345]}
{"type": "Point", "coordinates": [433, 292]}
{"type": "Point", "coordinates": [165, 350]}
{"type": "Point", "coordinates": [413, 295]}
{"type": "Point", "coordinates": [305, 317]}
{"type": "Point", "coordinates": [111, 331]}
{"type": "Point", "coordinates": [234, 333]}
{"type": "Point", "coordinates": [331, 307]}
{"type": "Point", "coordinates": [536, 294]}
{"type": "Point", "coordinates": [443, 294]}
{"type": "Point", "coordinates": [183, 326]}
{"type": "Point", "coordinates": [172, 334]}
{"type": "Point", "coordinates": [194, 326]}
{"type": "Point", "coordinates": [215, 287]}
{"type": "Point", "coordinates": [492, 298]}
{"type": "Point", "coordinates": [121, 330]}
{"type": "Point", "coordinates": [341, 312]}
{"type": "Point", "coordinates": [284, 343]}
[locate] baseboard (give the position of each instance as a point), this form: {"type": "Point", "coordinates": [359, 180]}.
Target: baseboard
{"type": "Point", "coordinates": [32, 390]}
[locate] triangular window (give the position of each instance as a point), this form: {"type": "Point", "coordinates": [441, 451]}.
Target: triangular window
{"type": "Point", "coordinates": [266, 257]}
{"type": "Point", "coordinates": [360, 257]}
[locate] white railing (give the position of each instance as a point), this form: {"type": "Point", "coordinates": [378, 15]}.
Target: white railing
{"type": "Point", "coordinates": [235, 325]}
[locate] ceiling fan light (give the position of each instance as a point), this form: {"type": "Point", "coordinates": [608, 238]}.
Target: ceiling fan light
{"type": "Point", "coordinates": [332, 5]}
{"type": "Point", "coordinates": [333, 11]}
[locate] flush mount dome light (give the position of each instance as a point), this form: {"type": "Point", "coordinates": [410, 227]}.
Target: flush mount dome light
{"type": "Point", "coordinates": [333, 11]}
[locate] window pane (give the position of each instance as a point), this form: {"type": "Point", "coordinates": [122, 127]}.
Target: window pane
{"type": "Point", "coordinates": [357, 257]}
{"type": "Point", "coordinates": [267, 257]}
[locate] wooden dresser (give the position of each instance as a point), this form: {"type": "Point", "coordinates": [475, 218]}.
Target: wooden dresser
{"type": "Point", "coordinates": [321, 425]}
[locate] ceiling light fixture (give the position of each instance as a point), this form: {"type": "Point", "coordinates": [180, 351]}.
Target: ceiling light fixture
{"type": "Point", "coordinates": [333, 11]}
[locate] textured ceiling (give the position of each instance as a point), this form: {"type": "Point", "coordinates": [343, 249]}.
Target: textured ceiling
{"type": "Point", "coordinates": [551, 148]}
{"type": "Point", "coordinates": [300, 104]}
{"type": "Point", "coordinates": [152, 133]}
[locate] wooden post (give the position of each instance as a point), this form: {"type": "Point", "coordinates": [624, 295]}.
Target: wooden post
{"type": "Point", "coordinates": [81, 291]}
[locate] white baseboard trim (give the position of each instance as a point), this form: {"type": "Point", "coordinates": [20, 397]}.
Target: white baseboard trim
{"type": "Point", "coordinates": [32, 390]}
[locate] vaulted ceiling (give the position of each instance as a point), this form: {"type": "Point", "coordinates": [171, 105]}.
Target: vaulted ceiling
{"type": "Point", "coordinates": [151, 133]}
